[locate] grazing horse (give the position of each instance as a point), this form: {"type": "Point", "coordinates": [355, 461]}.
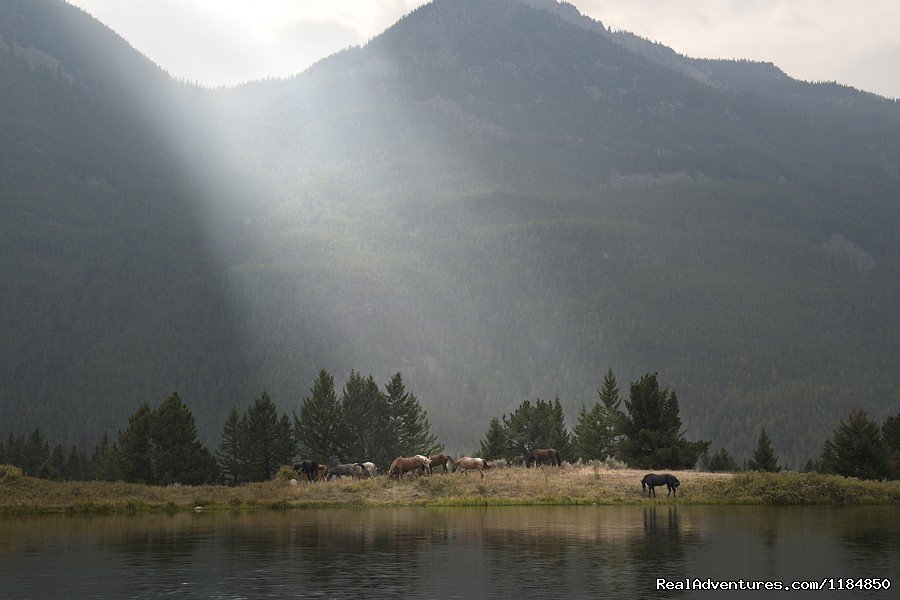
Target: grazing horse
{"type": "Point", "coordinates": [539, 455]}
{"type": "Point", "coordinates": [345, 470]}
{"type": "Point", "coordinates": [369, 468]}
{"type": "Point", "coordinates": [323, 469]}
{"type": "Point", "coordinates": [427, 463]}
{"type": "Point", "coordinates": [441, 460]}
{"type": "Point", "coordinates": [652, 480]}
{"type": "Point", "coordinates": [403, 464]}
{"type": "Point", "coordinates": [467, 463]}
{"type": "Point", "coordinates": [310, 468]}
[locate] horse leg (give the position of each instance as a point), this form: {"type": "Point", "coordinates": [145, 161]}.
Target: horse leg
{"type": "Point", "coordinates": [482, 473]}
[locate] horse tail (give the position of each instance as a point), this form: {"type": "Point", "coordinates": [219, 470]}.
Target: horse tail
{"type": "Point", "coordinates": [558, 459]}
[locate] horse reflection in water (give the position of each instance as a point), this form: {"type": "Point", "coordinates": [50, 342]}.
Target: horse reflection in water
{"type": "Point", "coordinates": [403, 465]}
{"type": "Point", "coordinates": [467, 463]}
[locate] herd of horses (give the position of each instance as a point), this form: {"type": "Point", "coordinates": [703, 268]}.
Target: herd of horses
{"type": "Point", "coordinates": [420, 464]}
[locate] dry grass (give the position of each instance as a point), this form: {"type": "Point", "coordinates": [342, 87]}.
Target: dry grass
{"type": "Point", "coordinates": [516, 485]}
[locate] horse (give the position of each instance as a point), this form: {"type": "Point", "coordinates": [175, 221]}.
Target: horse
{"type": "Point", "coordinates": [309, 468]}
{"type": "Point", "coordinates": [467, 463]}
{"type": "Point", "coordinates": [345, 470]}
{"type": "Point", "coordinates": [403, 464]}
{"type": "Point", "coordinates": [440, 460]}
{"type": "Point", "coordinates": [369, 468]}
{"type": "Point", "coordinates": [539, 455]}
{"type": "Point", "coordinates": [652, 480]}
{"type": "Point", "coordinates": [323, 469]}
{"type": "Point", "coordinates": [427, 463]}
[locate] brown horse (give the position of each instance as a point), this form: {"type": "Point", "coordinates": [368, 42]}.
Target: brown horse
{"type": "Point", "coordinates": [441, 460]}
{"type": "Point", "coordinates": [467, 463]}
{"type": "Point", "coordinates": [403, 464]}
{"type": "Point", "coordinates": [542, 454]}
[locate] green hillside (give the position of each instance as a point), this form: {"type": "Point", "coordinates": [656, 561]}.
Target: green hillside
{"type": "Point", "coordinates": [496, 201]}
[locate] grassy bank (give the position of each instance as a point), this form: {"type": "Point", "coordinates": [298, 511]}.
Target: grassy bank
{"type": "Point", "coordinates": [512, 486]}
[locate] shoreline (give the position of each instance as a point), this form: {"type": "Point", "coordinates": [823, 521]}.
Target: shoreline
{"type": "Point", "coordinates": [512, 486]}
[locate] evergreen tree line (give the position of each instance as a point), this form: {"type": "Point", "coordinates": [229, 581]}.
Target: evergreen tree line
{"type": "Point", "coordinates": [644, 431]}
{"type": "Point", "coordinates": [160, 446]}
{"type": "Point", "coordinates": [364, 424]}
{"type": "Point", "coordinates": [646, 434]}
{"type": "Point", "coordinates": [858, 447]}
{"type": "Point", "coordinates": [35, 457]}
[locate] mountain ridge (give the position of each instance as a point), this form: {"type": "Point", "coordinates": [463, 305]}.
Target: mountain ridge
{"type": "Point", "coordinates": [496, 202]}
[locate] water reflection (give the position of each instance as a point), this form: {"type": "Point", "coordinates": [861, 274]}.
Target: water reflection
{"type": "Point", "coordinates": [545, 552]}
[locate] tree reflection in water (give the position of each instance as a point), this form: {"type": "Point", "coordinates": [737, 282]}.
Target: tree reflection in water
{"type": "Point", "coordinates": [503, 552]}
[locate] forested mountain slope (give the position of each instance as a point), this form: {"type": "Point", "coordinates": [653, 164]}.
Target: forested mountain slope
{"type": "Point", "coordinates": [499, 202]}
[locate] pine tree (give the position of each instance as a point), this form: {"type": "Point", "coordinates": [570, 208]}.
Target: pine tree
{"type": "Point", "coordinates": [37, 451]}
{"type": "Point", "coordinates": [57, 463]}
{"type": "Point", "coordinates": [652, 436]}
{"type": "Point", "coordinates": [856, 449]}
{"type": "Point", "coordinates": [721, 461]}
{"type": "Point", "coordinates": [318, 426]}
{"type": "Point", "coordinates": [495, 444]}
{"type": "Point", "coordinates": [75, 466]}
{"type": "Point", "coordinates": [408, 431]}
{"type": "Point", "coordinates": [764, 458]}
{"type": "Point", "coordinates": [586, 434]}
{"type": "Point", "coordinates": [178, 456]}
{"type": "Point", "coordinates": [365, 422]}
{"type": "Point", "coordinates": [266, 446]}
{"type": "Point", "coordinates": [558, 436]}
{"type": "Point", "coordinates": [538, 425]}
{"type": "Point", "coordinates": [231, 450]}
{"type": "Point", "coordinates": [890, 430]}
{"type": "Point", "coordinates": [105, 462]}
{"type": "Point", "coordinates": [134, 447]}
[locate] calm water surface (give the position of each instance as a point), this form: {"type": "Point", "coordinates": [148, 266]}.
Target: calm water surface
{"type": "Point", "coordinates": [508, 552]}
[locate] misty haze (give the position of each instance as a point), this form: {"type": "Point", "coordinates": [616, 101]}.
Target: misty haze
{"type": "Point", "coordinates": [502, 200]}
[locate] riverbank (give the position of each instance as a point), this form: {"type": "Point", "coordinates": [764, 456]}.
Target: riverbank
{"type": "Point", "coordinates": [510, 486]}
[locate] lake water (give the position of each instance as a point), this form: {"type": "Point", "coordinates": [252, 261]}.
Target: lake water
{"type": "Point", "coordinates": [504, 552]}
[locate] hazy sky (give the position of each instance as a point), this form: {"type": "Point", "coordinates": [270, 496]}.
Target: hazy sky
{"type": "Point", "coordinates": [228, 41]}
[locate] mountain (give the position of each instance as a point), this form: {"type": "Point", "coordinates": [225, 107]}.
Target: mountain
{"type": "Point", "coordinates": [499, 198]}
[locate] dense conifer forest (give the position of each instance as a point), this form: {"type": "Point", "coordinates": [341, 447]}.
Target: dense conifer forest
{"type": "Point", "coordinates": [500, 201]}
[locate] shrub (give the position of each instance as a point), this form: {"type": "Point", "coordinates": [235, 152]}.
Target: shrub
{"type": "Point", "coordinates": [10, 472]}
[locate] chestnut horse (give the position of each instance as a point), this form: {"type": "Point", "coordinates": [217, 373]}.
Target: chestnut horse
{"type": "Point", "coordinates": [441, 460]}
{"type": "Point", "coordinates": [467, 463]}
{"type": "Point", "coordinates": [541, 454]}
{"type": "Point", "coordinates": [402, 464]}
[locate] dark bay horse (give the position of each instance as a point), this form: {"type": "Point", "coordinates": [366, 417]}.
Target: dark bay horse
{"type": "Point", "coordinates": [403, 464]}
{"type": "Point", "coordinates": [441, 460]}
{"type": "Point", "coordinates": [309, 468]}
{"type": "Point", "coordinates": [652, 481]}
{"type": "Point", "coordinates": [539, 455]}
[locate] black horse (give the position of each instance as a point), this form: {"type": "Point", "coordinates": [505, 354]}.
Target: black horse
{"type": "Point", "coordinates": [652, 480]}
{"type": "Point", "coordinates": [310, 468]}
